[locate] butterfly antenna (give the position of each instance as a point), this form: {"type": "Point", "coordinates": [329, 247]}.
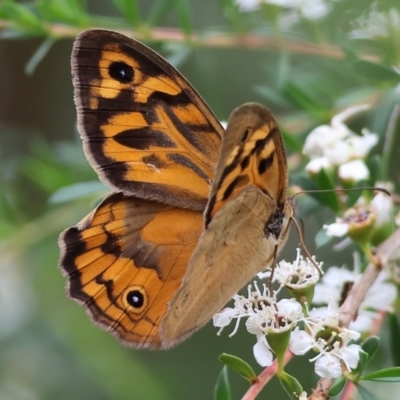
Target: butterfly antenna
{"type": "Point", "coordinates": [303, 245]}
{"type": "Point", "coordinates": [379, 189]}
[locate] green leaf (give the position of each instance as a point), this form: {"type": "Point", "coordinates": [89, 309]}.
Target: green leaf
{"type": "Point", "coordinates": [240, 366]}
{"type": "Point", "coordinates": [77, 191]}
{"type": "Point", "coordinates": [22, 17]}
{"type": "Point", "coordinates": [233, 15]}
{"type": "Point", "coordinates": [66, 11]}
{"type": "Point", "coordinates": [129, 9]}
{"type": "Point", "coordinates": [40, 53]}
{"type": "Point", "coordinates": [272, 96]}
{"type": "Point", "coordinates": [159, 11]}
{"type": "Point", "coordinates": [364, 393]}
{"type": "Point", "coordinates": [384, 375]}
{"type": "Point", "coordinates": [222, 390]}
{"type": "Point", "coordinates": [305, 101]}
{"type": "Point", "coordinates": [370, 345]}
{"type": "Point", "coordinates": [394, 330]}
{"type": "Point", "coordinates": [356, 372]}
{"type": "Point", "coordinates": [292, 142]}
{"type": "Point", "coordinates": [337, 387]}
{"type": "Point", "coordinates": [182, 7]}
{"type": "Point", "coordinates": [375, 72]}
{"type": "Point", "coordinates": [291, 385]}
{"type": "Point", "coordinates": [330, 197]}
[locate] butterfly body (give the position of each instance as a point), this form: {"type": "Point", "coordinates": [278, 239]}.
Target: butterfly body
{"type": "Point", "coordinates": [146, 263]}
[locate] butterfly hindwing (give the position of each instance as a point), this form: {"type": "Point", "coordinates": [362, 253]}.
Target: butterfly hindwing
{"type": "Point", "coordinates": [126, 260]}
{"type": "Point", "coordinates": [145, 129]}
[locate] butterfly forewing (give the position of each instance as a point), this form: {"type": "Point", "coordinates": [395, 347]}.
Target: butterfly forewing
{"type": "Point", "coordinates": [247, 221]}
{"type": "Point", "coordinates": [145, 129]}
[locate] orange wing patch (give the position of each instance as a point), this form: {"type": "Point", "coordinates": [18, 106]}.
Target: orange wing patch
{"type": "Point", "coordinates": [143, 126]}
{"type": "Point", "coordinates": [126, 260]}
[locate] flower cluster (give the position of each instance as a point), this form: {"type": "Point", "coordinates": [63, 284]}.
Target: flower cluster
{"type": "Point", "coordinates": [336, 146]}
{"type": "Point", "coordinates": [288, 322]}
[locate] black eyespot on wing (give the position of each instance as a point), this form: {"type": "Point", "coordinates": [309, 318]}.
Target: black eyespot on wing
{"type": "Point", "coordinates": [135, 298]}
{"type": "Point", "coordinates": [121, 72]}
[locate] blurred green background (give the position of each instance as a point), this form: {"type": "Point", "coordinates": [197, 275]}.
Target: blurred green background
{"type": "Point", "coordinates": [302, 63]}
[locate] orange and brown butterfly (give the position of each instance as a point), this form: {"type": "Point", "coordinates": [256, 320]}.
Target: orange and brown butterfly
{"type": "Point", "coordinates": [196, 212]}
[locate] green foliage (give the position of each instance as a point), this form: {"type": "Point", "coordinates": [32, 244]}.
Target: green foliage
{"type": "Point", "coordinates": [222, 389]}
{"type": "Point", "coordinates": [240, 366]}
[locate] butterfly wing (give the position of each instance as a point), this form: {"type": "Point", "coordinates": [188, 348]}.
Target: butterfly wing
{"type": "Point", "coordinates": [145, 130]}
{"type": "Point", "coordinates": [148, 134]}
{"type": "Point", "coordinates": [247, 221]}
{"type": "Point", "coordinates": [126, 260]}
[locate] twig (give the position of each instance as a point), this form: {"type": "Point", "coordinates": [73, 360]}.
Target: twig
{"type": "Point", "coordinates": [348, 311]}
{"type": "Point", "coordinates": [265, 377]}
{"type": "Point", "coordinates": [211, 39]}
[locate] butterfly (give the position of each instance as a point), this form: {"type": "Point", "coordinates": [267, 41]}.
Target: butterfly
{"type": "Point", "coordinates": [195, 212]}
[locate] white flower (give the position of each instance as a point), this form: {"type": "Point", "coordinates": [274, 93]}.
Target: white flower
{"type": "Point", "coordinates": [333, 145]}
{"type": "Point", "coordinates": [357, 223]}
{"type": "Point", "coordinates": [331, 342]}
{"type": "Point", "coordinates": [382, 205]}
{"type": "Point", "coordinates": [337, 229]}
{"type": "Point", "coordinates": [353, 171]}
{"type": "Point", "coordinates": [264, 315]}
{"type": "Point", "coordinates": [298, 274]}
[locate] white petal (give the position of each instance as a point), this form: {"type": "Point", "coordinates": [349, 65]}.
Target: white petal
{"type": "Point", "coordinates": [318, 140]}
{"type": "Point", "coordinates": [336, 229]}
{"type": "Point", "coordinates": [252, 325]}
{"type": "Point", "coordinates": [339, 119]}
{"type": "Point", "coordinates": [316, 164]}
{"type": "Point", "coordinates": [382, 205]}
{"type": "Point", "coordinates": [363, 322]}
{"type": "Point", "coordinates": [300, 342]}
{"type": "Point", "coordinates": [353, 171]}
{"type": "Point", "coordinates": [351, 355]}
{"type": "Point", "coordinates": [381, 296]}
{"type": "Point", "coordinates": [363, 144]}
{"type": "Point", "coordinates": [339, 154]}
{"type": "Point", "coordinates": [224, 317]}
{"type": "Point", "coordinates": [328, 366]}
{"type": "Point", "coordinates": [290, 308]}
{"type": "Point", "coordinates": [262, 354]}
